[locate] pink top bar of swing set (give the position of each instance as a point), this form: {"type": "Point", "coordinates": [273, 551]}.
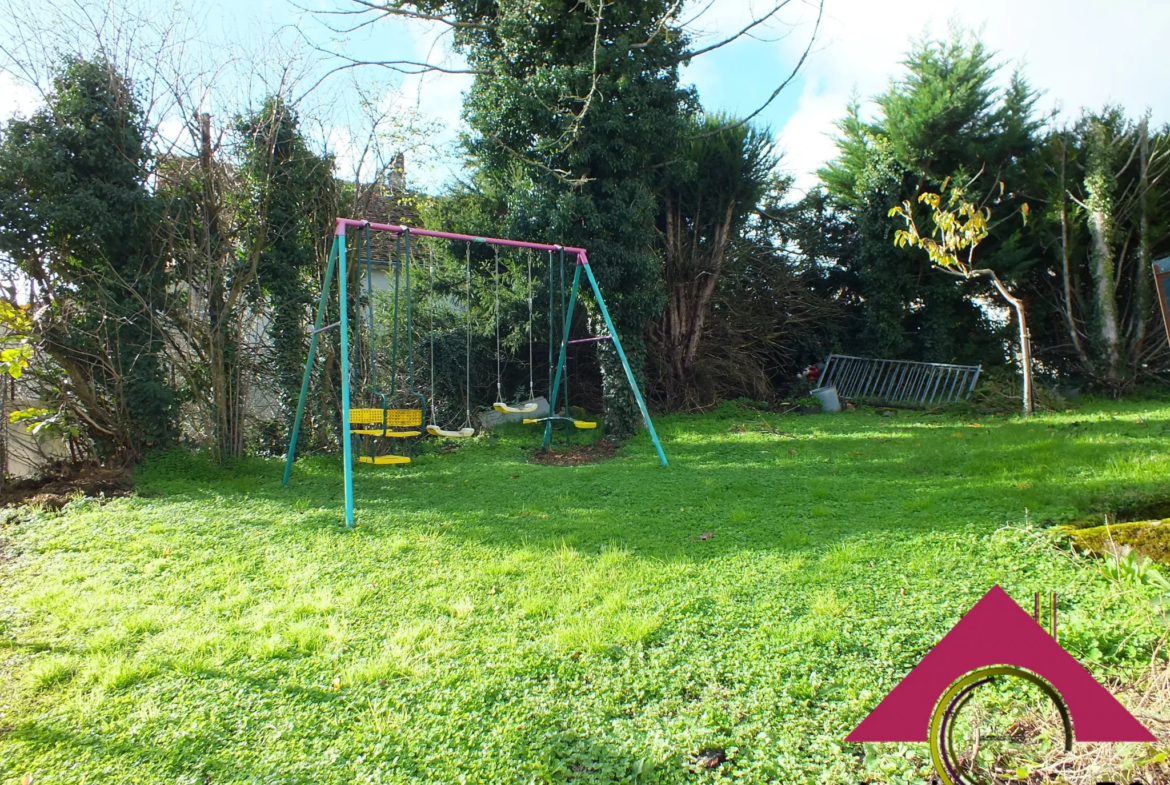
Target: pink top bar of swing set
{"type": "Point", "coordinates": [342, 223]}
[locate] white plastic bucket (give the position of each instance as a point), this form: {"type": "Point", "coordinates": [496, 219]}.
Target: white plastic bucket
{"type": "Point", "coordinates": [828, 398]}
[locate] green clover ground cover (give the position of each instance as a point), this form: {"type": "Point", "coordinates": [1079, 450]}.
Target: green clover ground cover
{"type": "Point", "coordinates": [492, 620]}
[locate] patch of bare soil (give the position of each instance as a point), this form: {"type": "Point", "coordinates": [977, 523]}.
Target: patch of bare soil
{"type": "Point", "coordinates": [57, 489]}
{"type": "Point", "coordinates": [576, 456]}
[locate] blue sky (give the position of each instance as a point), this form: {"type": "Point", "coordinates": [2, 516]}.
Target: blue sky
{"type": "Point", "coordinates": [1072, 50]}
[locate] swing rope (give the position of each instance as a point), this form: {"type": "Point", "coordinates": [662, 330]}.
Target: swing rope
{"type": "Point", "coordinates": [551, 324]}
{"type": "Point", "coordinates": [531, 377]}
{"type": "Point", "coordinates": [397, 273]}
{"type": "Point", "coordinates": [431, 310]}
{"type": "Point", "coordinates": [500, 405]}
{"type": "Point", "coordinates": [433, 429]}
{"type": "Point", "coordinates": [499, 376]}
{"type": "Point", "coordinates": [467, 362]}
{"type": "Point", "coordinates": [371, 347]}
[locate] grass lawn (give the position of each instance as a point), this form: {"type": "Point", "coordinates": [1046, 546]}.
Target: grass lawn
{"type": "Point", "coordinates": [491, 620]}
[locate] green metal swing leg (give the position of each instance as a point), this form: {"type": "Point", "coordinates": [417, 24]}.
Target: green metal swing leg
{"type": "Point", "coordinates": [617, 344]}
{"type": "Point", "coordinates": [296, 429]}
{"type": "Point", "coordinates": [584, 264]}
{"type": "Point", "coordinates": [552, 404]}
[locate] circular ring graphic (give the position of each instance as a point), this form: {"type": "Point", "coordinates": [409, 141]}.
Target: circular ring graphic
{"type": "Point", "coordinates": [946, 711]}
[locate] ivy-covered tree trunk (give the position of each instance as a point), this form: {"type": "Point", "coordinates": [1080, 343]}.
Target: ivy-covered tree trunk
{"type": "Point", "coordinates": [1100, 183]}
{"type": "Point", "coordinates": [289, 184]}
{"type": "Point", "coordinates": [1139, 318]}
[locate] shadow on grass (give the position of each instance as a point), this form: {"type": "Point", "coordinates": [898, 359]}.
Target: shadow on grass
{"type": "Point", "coordinates": [831, 478]}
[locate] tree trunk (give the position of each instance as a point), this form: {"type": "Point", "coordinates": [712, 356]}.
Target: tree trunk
{"type": "Point", "coordinates": [1070, 318]}
{"type": "Point", "coordinates": [692, 276]}
{"type": "Point", "coordinates": [221, 349]}
{"type": "Point", "coordinates": [1141, 313]}
{"type": "Point", "coordinates": [1100, 182]}
{"type": "Point", "coordinates": [1025, 345]}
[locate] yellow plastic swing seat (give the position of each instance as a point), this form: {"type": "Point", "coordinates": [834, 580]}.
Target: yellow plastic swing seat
{"type": "Point", "coordinates": [524, 408]}
{"type": "Point", "coordinates": [378, 423]}
{"type": "Point", "coordinates": [383, 460]}
{"type": "Point", "coordinates": [583, 425]}
{"type": "Point", "coordinates": [462, 433]}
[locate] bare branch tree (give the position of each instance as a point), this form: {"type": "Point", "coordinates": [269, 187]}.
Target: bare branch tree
{"type": "Point", "coordinates": [666, 24]}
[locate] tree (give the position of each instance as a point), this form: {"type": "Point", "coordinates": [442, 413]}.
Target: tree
{"type": "Point", "coordinates": [959, 227]}
{"type": "Point", "coordinates": [15, 339]}
{"type": "Point", "coordinates": [285, 186]}
{"type": "Point", "coordinates": [580, 111]}
{"type": "Point", "coordinates": [241, 225]}
{"type": "Point", "coordinates": [1105, 188]}
{"type": "Point", "coordinates": [581, 102]}
{"type": "Point", "coordinates": [77, 218]}
{"type": "Point", "coordinates": [709, 190]}
{"type": "Point", "coordinates": [942, 119]}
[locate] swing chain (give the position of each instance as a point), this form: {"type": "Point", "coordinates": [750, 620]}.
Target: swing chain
{"type": "Point", "coordinates": [467, 356]}
{"type": "Point", "coordinates": [499, 362]}
{"type": "Point", "coordinates": [531, 371]}
{"type": "Point", "coordinates": [431, 311]}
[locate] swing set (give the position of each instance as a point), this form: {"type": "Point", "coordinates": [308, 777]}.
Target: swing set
{"type": "Point", "coordinates": [382, 424]}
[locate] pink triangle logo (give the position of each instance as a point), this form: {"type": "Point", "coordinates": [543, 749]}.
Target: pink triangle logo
{"type": "Point", "coordinates": [997, 631]}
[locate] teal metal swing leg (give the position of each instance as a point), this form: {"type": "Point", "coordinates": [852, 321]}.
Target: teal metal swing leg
{"type": "Point", "coordinates": [552, 404]}
{"type": "Point", "coordinates": [584, 264]}
{"type": "Point", "coordinates": [617, 344]}
{"type": "Point", "coordinates": [296, 429]}
{"type": "Point", "coordinates": [336, 258]}
{"type": "Point", "coordinates": [346, 439]}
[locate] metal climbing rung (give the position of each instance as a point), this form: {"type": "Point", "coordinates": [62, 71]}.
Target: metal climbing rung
{"type": "Point", "coordinates": [898, 382]}
{"type": "Point", "coordinates": [326, 327]}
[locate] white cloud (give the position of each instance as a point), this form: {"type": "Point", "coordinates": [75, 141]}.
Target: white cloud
{"type": "Point", "coordinates": [17, 98]}
{"type": "Point", "coordinates": [807, 137]}
{"type": "Point", "coordinates": [1078, 52]}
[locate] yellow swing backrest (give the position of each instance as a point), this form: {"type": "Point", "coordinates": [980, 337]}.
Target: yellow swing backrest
{"type": "Point", "coordinates": [393, 418]}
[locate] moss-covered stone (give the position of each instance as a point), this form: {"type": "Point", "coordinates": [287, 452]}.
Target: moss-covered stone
{"type": "Point", "coordinates": [1149, 538]}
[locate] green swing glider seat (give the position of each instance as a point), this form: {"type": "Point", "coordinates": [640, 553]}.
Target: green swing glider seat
{"type": "Point", "coordinates": [554, 319]}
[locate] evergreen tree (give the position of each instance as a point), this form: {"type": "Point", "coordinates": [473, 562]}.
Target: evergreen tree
{"type": "Point", "coordinates": [575, 109]}
{"type": "Point", "coordinates": [77, 218]}
{"type": "Point", "coordinates": [943, 119]}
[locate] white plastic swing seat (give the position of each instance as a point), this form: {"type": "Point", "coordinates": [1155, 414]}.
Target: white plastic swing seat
{"type": "Point", "coordinates": [524, 408]}
{"type": "Point", "coordinates": [462, 433]}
